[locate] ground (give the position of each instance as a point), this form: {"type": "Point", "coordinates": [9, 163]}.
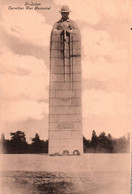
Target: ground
{"type": "Point", "coordinates": [42, 174]}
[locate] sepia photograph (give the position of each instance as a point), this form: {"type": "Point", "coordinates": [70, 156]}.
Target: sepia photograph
{"type": "Point", "coordinates": [65, 96]}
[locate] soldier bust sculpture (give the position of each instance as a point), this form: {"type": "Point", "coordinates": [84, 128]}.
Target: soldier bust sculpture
{"type": "Point", "coordinates": [65, 116]}
{"type": "Point", "coordinates": [65, 22]}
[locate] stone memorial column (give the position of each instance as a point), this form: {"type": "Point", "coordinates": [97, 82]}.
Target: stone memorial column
{"type": "Point", "coordinates": [65, 101]}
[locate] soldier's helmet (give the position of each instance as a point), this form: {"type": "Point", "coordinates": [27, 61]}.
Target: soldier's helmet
{"type": "Point", "coordinates": [65, 8]}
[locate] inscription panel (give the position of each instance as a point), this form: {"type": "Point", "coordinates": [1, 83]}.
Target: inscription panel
{"type": "Point", "coordinates": [54, 127]}
{"type": "Point", "coordinates": [65, 126]}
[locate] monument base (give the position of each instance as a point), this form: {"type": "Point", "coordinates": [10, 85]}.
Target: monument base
{"type": "Point", "coordinates": [66, 146]}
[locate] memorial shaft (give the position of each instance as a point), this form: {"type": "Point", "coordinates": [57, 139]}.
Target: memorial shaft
{"type": "Point", "coordinates": [65, 101]}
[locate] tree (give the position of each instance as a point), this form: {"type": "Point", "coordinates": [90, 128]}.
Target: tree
{"type": "Point", "coordinates": [39, 146]}
{"type": "Point", "coordinates": [110, 144]}
{"type": "Point", "coordinates": [109, 136]}
{"type": "Point", "coordinates": [121, 145]}
{"type": "Point", "coordinates": [86, 144]}
{"type": "Point", "coordinates": [2, 137]}
{"type": "Point", "coordinates": [94, 140]}
{"type": "Point", "coordinates": [105, 143]}
{"type": "Point", "coordinates": [36, 144]}
{"type": "Point", "coordinates": [18, 142]}
{"type": "Point", "coordinates": [36, 138]}
{"type": "Point", "coordinates": [128, 143]}
{"type": "Point", "coordinates": [18, 136]}
{"type": "Point", "coordinates": [102, 142]}
{"type": "Point", "coordinates": [2, 143]}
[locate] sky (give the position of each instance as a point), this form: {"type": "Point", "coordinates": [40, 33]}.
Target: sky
{"type": "Point", "coordinates": [24, 65]}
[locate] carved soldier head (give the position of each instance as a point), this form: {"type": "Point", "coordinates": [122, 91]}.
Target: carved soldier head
{"type": "Point", "coordinates": [65, 12]}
